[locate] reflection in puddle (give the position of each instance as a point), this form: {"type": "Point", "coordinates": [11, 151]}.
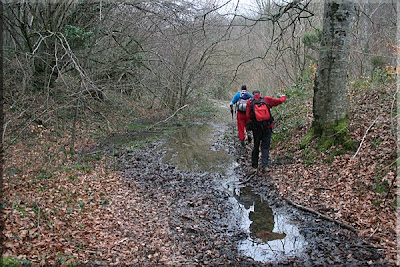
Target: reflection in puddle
{"type": "Point", "coordinates": [270, 236]}
{"type": "Point", "coordinates": [190, 149]}
{"type": "Point", "coordinates": [260, 215]}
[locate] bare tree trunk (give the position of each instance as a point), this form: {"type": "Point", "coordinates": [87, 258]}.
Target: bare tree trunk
{"type": "Point", "coordinates": [330, 102]}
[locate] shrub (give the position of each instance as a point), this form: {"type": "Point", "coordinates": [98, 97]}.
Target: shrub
{"type": "Point", "coordinates": [312, 38]}
{"type": "Point", "coordinates": [377, 62]}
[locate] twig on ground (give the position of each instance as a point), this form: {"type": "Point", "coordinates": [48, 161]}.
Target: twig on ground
{"type": "Point", "coordinates": [365, 134]}
{"type": "Point", "coordinates": [369, 247]}
{"type": "Point", "coordinates": [176, 111]}
{"type": "Point", "coordinates": [342, 224]}
{"type": "Point", "coordinates": [392, 107]}
{"type": "Point", "coordinates": [38, 219]}
{"type": "Point", "coordinates": [376, 229]}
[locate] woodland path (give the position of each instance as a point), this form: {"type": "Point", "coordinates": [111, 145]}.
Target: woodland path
{"type": "Point", "coordinates": [186, 207]}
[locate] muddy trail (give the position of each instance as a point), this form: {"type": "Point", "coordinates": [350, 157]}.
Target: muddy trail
{"type": "Point", "coordinates": [195, 206]}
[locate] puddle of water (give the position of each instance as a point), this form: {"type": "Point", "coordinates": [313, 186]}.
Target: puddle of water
{"type": "Point", "coordinates": [271, 237]}
{"type": "Point", "coordinates": [275, 250]}
{"type": "Point", "coordinates": [190, 149]}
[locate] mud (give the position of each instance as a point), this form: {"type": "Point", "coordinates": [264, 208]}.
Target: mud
{"type": "Point", "coordinates": [197, 212]}
{"type": "Point", "coordinates": [202, 223]}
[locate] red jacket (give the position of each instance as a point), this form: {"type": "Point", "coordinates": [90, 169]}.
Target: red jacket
{"type": "Point", "coordinates": [269, 100]}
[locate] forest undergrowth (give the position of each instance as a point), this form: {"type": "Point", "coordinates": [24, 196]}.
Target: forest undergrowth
{"type": "Point", "coordinates": [357, 187]}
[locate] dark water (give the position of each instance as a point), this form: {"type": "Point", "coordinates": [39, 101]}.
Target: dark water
{"type": "Point", "coordinates": [271, 236]}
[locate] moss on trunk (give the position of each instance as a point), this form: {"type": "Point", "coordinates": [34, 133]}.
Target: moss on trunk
{"type": "Point", "coordinates": [325, 135]}
{"type": "Point", "coordinates": [332, 133]}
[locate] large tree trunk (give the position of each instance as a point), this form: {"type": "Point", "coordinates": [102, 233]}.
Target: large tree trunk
{"type": "Point", "coordinates": [330, 101]}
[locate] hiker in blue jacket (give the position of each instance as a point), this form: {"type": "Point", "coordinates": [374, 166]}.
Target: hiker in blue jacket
{"type": "Point", "coordinates": [240, 99]}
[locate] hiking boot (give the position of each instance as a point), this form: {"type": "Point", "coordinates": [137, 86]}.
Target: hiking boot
{"type": "Point", "coordinates": [251, 171]}
{"type": "Point", "coordinates": [264, 170]}
{"type": "Point", "coordinates": [242, 143]}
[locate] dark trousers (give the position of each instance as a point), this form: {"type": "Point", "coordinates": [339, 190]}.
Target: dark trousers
{"type": "Point", "coordinates": [263, 137]}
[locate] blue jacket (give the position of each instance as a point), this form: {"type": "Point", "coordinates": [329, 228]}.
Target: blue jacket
{"type": "Point", "coordinates": [237, 96]}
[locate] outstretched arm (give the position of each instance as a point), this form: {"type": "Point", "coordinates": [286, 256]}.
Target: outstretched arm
{"type": "Point", "coordinates": [275, 101]}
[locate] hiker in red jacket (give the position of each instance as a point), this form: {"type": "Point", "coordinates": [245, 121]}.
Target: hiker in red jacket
{"type": "Point", "coordinates": [261, 126]}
